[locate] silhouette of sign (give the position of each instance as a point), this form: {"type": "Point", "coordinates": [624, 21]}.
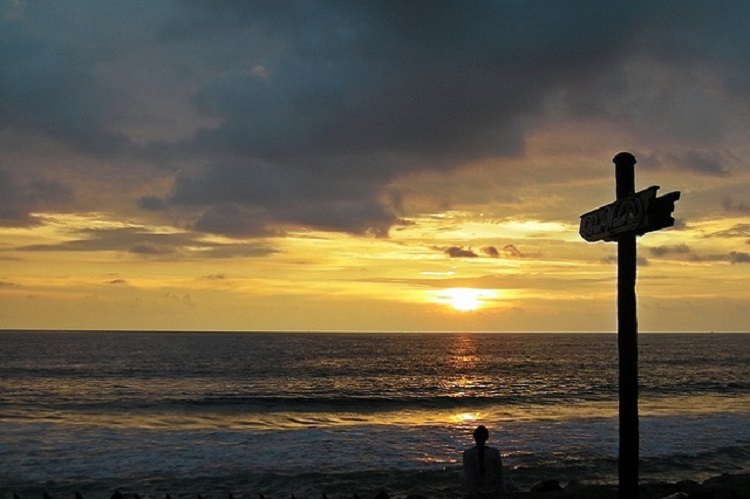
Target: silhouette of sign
{"type": "Point", "coordinates": [640, 213]}
{"type": "Point", "coordinates": [631, 214]}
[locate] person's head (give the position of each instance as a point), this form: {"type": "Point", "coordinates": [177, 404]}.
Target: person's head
{"type": "Point", "coordinates": [481, 434]}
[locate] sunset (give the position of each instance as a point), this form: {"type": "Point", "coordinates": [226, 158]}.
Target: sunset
{"type": "Point", "coordinates": [201, 168]}
{"type": "Point", "coordinates": [307, 247]}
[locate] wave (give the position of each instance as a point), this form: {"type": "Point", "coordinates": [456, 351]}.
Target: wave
{"type": "Point", "coordinates": [728, 398]}
{"type": "Point", "coordinates": [344, 404]}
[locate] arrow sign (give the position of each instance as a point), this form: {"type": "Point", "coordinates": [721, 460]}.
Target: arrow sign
{"type": "Point", "coordinates": [637, 214]}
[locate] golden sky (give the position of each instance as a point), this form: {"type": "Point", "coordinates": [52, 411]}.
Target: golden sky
{"type": "Point", "coordinates": [351, 167]}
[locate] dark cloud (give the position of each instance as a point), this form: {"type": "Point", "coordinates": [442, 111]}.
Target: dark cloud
{"type": "Point", "coordinates": [512, 252]}
{"type": "Point", "coordinates": [739, 257]}
{"type": "Point", "coordinates": [682, 77]}
{"type": "Point", "coordinates": [152, 203]}
{"type": "Point", "coordinates": [705, 163]}
{"type": "Point", "coordinates": [215, 277]}
{"type": "Point", "coordinates": [685, 252]}
{"type": "Point", "coordinates": [361, 93]}
{"type": "Point", "coordinates": [250, 199]}
{"type": "Point", "coordinates": [509, 251]}
{"type": "Point", "coordinates": [145, 243]}
{"type": "Point", "coordinates": [149, 248]}
{"type": "Point", "coordinates": [316, 108]}
{"type": "Point", "coordinates": [491, 251]}
{"type": "Point", "coordinates": [730, 205]}
{"type": "Point", "coordinates": [117, 281]}
{"type": "Point", "coordinates": [666, 250]}
{"type": "Point", "coordinates": [19, 199]}
{"type": "Point", "coordinates": [737, 230]}
{"type": "Point", "coordinates": [48, 81]}
{"type": "Point", "coordinates": [234, 220]}
{"type": "Point", "coordinates": [433, 84]}
{"type": "Point", "coordinates": [731, 257]}
{"type": "Point", "coordinates": [124, 239]}
{"type": "Point", "coordinates": [365, 93]}
{"type": "Point", "coordinates": [460, 252]}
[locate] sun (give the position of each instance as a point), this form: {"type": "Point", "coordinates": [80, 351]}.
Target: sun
{"type": "Point", "coordinates": [464, 299]}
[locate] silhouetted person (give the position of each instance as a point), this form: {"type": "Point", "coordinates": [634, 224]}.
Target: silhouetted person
{"type": "Point", "coordinates": [483, 468]}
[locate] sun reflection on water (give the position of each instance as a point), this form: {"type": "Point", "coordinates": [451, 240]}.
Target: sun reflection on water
{"type": "Point", "coordinates": [465, 417]}
{"type": "Point", "coordinates": [463, 360]}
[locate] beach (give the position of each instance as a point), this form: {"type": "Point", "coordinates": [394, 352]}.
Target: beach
{"type": "Point", "coordinates": [722, 487]}
{"type": "Point", "coordinates": [307, 414]}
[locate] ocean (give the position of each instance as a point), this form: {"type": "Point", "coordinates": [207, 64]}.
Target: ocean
{"type": "Point", "coordinates": [337, 414]}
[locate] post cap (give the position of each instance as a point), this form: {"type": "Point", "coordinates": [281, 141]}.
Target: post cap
{"type": "Point", "coordinates": [624, 158]}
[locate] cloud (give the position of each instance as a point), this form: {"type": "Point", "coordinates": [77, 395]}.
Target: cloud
{"type": "Point", "coordinates": [117, 281]}
{"type": "Point", "coordinates": [460, 252]}
{"type": "Point", "coordinates": [357, 95]}
{"type": "Point", "coordinates": [509, 251]}
{"type": "Point", "coordinates": [512, 252]}
{"type": "Point", "coordinates": [257, 198]}
{"type": "Point", "coordinates": [739, 257]}
{"type": "Point", "coordinates": [343, 85]}
{"type": "Point", "coordinates": [215, 277]}
{"type": "Point", "coordinates": [149, 248]}
{"type": "Point", "coordinates": [233, 220]}
{"type": "Point", "coordinates": [49, 81]}
{"type": "Point", "coordinates": [730, 205]}
{"type": "Point", "coordinates": [737, 230]}
{"type": "Point", "coordinates": [703, 162]}
{"type": "Point", "coordinates": [732, 257]}
{"type": "Point", "coordinates": [666, 250]}
{"type": "Point", "coordinates": [152, 203]}
{"type": "Point", "coordinates": [491, 251]}
{"type": "Point", "coordinates": [142, 242]}
{"type": "Point", "coordinates": [685, 251]}
{"type": "Point", "coordinates": [307, 114]}
{"type": "Point", "coordinates": [18, 200]}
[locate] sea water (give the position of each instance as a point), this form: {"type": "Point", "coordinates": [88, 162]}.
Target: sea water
{"type": "Point", "coordinates": [307, 414]}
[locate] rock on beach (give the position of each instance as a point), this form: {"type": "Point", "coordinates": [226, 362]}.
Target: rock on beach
{"type": "Point", "coordinates": [727, 486]}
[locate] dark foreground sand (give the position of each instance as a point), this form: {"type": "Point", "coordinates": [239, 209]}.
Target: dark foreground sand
{"type": "Point", "coordinates": [728, 486]}
{"type": "Point", "coordinates": [722, 487]}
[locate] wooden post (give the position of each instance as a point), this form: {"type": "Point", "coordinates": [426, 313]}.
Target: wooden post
{"type": "Point", "coordinates": [627, 337]}
{"type": "Point", "coordinates": [632, 214]}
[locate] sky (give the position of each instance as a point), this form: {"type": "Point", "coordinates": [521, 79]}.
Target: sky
{"type": "Point", "coordinates": [367, 166]}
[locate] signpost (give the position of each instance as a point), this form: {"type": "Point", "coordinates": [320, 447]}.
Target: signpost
{"type": "Point", "coordinates": [638, 213]}
{"type": "Point", "coordinates": [631, 214]}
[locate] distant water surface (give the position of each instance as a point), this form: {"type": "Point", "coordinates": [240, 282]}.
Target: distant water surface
{"type": "Point", "coordinates": [306, 413]}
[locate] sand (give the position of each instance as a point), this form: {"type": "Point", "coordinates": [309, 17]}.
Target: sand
{"type": "Point", "coordinates": [727, 486]}
{"type": "Point", "coordinates": [723, 487]}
